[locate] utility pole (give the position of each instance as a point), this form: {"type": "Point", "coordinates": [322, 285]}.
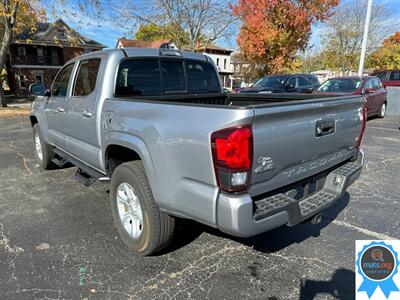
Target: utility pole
{"type": "Point", "coordinates": [365, 39]}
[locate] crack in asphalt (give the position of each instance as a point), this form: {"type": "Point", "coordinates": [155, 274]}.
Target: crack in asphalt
{"type": "Point", "coordinates": [15, 251]}
{"type": "Point", "coordinates": [25, 163]}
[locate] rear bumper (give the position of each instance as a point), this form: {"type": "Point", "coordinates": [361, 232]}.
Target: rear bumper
{"type": "Point", "coordinates": [238, 215]}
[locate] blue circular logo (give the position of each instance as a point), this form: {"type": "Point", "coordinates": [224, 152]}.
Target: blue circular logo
{"type": "Point", "coordinates": [377, 263]}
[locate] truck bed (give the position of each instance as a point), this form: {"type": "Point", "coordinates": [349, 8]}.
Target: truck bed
{"type": "Point", "coordinates": [241, 101]}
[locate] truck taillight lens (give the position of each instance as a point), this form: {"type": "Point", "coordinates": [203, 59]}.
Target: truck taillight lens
{"type": "Point", "coordinates": [364, 125]}
{"type": "Point", "coordinates": [232, 151]}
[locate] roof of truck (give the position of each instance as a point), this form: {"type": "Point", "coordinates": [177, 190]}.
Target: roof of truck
{"type": "Point", "coordinates": [148, 52]}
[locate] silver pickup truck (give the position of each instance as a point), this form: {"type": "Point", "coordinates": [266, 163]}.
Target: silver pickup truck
{"type": "Point", "coordinates": [157, 124]}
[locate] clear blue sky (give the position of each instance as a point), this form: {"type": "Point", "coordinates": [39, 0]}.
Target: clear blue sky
{"type": "Point", "coordinates": [107, 32]}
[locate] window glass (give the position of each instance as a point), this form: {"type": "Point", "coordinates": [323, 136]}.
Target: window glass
{"type": "Point", "coordinates": [395, 75]}
{"type": "Point", "coordinates": [369, 85]}
{"type": "Point", "coordinates": [201, 78]}
{"type": "Point", "coordinates": [375, 83]}
{"type": "Point", "coordinates": [85, 81]}
{"type": "Point", "coordinates": [138, 77]}
{"type": "Point", "coordinates": [60, 84]}
{"type": "Point", "coordinates": [292, 82]}
{"type": "Point", "coordinates": [340, 85]}
{"type": "Point", "coordinates": [302, 81]}
{"type": "Point", "coordinates": [271, 81]}
{"type": "Point", "coordinates": [313, 80]}
{"type": "Point", "coordinates": [381, 76]}
{"type": "Point", "coordinates": [173, 76]}
{"type": "Point", "coordinates": [22, 81]}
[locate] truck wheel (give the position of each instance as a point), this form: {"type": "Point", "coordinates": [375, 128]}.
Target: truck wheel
{"type": "Point", "coordinates": [382, 111]}
{"type": "Point", "coordinates": [43, 151]}
{"type": "Point", "coordinates": [140, 223]}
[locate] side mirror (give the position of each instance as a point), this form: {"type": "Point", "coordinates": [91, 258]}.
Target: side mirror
{"type": "Point", "coordinates": [369, 91]}
{"type": "Point", "coordinates": [37, 89]}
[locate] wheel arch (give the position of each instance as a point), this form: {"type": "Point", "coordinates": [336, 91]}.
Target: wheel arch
{"type": "Point", "coordinates": [33, 120]}
{"type": "Point", "coordinates": [122, 147]}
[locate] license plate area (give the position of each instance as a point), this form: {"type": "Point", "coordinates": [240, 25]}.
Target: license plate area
{"type": "Point", "coordinates": [307, 188]}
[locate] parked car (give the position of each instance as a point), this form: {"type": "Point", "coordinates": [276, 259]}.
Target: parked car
{"type": "Point", "coordinates": [296, 83]}
{"type": "Point", "coordinates": [389, 78]}
{"type": "Point", "coordinates": [368, 86]}
{"type": "Point", "coordinates": [157, 124]}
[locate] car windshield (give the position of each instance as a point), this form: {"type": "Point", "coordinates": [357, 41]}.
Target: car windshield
{"type": "Point", "coordinates": [347, 85]}
{"type": "Point", "coordinates": [271, 82]}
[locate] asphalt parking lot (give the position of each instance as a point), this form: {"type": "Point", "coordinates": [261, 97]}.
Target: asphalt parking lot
{"type": "Point", "coordinates": [57, 239]}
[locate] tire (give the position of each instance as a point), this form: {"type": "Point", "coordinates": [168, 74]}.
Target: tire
{"type": "Point", "coordinates": [382, 111]}
{"type": "Point", "coordinates": [148, 230]}
{"type": "Point", "coordinates": [43, 151]}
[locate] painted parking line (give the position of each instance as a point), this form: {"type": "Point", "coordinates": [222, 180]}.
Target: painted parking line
{"type": "Point", "coordinates": [397, 130]}
{"type": "Point", "coordinates": [374, 234]}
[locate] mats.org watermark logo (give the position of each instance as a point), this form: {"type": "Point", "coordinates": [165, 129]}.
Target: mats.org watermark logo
{"type": "Point", "coordinates": [377, 270]}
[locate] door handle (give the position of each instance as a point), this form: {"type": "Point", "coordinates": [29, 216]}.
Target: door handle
{"type": "Point", "coordinates": [86, 114]}
{"type": "Point", "coordinates": [324, 127]}
{"type": "Point", "coordinates": [60, 110]}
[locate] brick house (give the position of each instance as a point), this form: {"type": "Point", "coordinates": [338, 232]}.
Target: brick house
{"type": "Point", "coordinates": [37, 56]}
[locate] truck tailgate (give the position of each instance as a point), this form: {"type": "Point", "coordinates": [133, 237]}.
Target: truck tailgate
{"type": "Point", "coordinates": [298, 140]}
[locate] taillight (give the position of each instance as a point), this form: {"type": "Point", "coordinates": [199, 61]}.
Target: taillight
{"type": "Point", "coordinates": [364, 125]}
{"type": "Point", "coordinates": [232, 151]}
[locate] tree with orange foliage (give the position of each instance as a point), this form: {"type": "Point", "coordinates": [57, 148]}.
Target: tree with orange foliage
{"type": "Point", "coordinates": [273, 31]}
{"type": "Point", "coordinates": [388, 56]}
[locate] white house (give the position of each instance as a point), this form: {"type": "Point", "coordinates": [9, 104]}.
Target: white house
{"type": "Point", "coordinates": [222, 59]}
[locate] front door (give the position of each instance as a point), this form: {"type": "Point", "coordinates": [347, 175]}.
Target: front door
{"type": "Point", "coordinates": [55, 107]}
{"type": "Point", "coordinates": [83, 141]}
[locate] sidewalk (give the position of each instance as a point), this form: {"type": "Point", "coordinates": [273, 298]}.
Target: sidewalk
{"type": "Point", "coordinates": [23, 105]}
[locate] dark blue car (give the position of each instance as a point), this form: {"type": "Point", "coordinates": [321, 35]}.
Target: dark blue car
{"type": "Point", "coordinates": [295, 83]}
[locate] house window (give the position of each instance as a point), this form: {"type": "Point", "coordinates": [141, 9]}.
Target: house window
{"type": "Point", "coordinates": [55, 60]}
{"type": "Point", "coordinates": [22, 54]}
{"type": "Point", "coordinates": [61, 34]}
{"type": "Point", "coordinates": [217, 61]}
{"type": "Point", "coordinates": [40, 55]}
{"type": "Point", "coordinates": [38, 78]}
{"type": "Point", "coordinates": [225, 63]}
{"type": "Point", "coordinates": [22, 81]}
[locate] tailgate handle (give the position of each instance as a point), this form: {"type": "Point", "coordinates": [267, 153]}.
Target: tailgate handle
{"type": "Point", "coordinates": [324, 127]}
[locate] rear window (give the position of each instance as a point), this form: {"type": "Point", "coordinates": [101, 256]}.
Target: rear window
{"type": "Point", "coordinates": [153, 77]}
{"type": "Point", "coordinates": [138, 78]}
{"type": "Point", "coordinates": [201, 78]}
{"type": "Point", "coordinates": [173, 76]}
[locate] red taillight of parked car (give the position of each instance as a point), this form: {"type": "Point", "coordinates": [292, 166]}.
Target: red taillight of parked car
{"type": "Point", "coordinates": [232, 151]}
{"type": "Point", "coordinates": [364, 125]}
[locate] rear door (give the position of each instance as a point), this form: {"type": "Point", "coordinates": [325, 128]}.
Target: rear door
{"type": "Point", "coordinates": [288, 145]}
{"type": "Point", "coordinates": [83, 140]}
{"type": "Point", "coordinates": [55, 107]}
